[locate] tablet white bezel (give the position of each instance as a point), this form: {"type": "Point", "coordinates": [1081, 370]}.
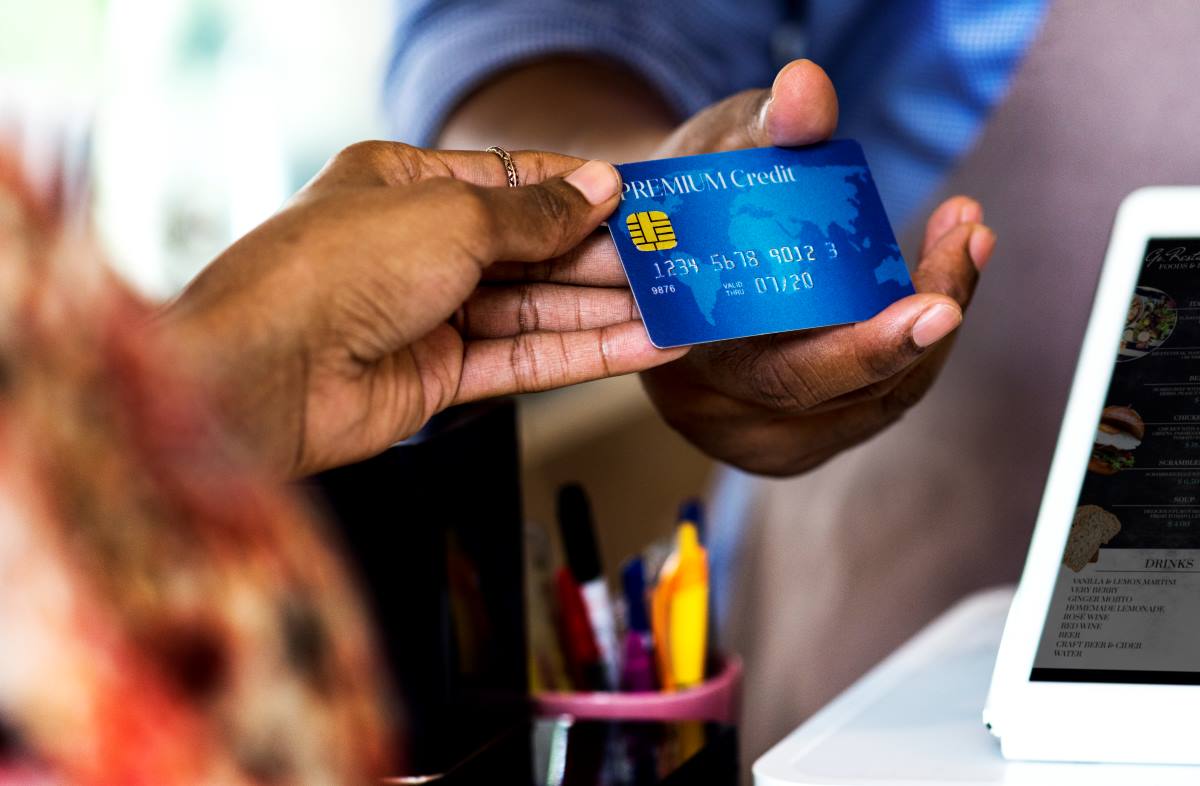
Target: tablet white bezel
{"type": "Point", "coordinates": [1091, 721]}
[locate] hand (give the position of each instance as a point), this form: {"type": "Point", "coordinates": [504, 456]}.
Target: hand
{"type": "Point", "coordinates": [783, 404]}
{"type": "Point", "coordinates": [347, 320]}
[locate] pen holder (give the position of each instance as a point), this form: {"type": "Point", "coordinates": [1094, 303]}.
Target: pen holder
{"type": "Point", "coordinates": [717, 699]}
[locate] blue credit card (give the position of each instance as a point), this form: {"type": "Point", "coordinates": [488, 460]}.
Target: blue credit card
{"type": "Point", "coordinates": [729, 245]}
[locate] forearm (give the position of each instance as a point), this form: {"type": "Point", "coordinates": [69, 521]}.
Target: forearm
{"type": "Point", "coordinates": [587, 108]}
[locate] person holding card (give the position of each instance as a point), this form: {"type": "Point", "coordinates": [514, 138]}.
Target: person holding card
{"type": "Point", "coordinates": [915, 84]}
{"type": "Point", "coordinates": [613, 80]}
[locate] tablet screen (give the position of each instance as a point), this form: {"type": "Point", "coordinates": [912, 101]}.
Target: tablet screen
{"type": "Point", "coordinates": [1126, 605]}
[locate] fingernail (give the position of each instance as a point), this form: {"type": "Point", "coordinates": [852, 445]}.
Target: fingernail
{"type": "Point", "coordinates": [971, 213]}
{"type": "Point", "coordinates": [766, 110]}
{"type": "Point", "coordinates": [980, 246]}
{"type": "Point", "coordinates": [764, 114]}
{"type": "Point", "coordinates": [598, 181]}
{"type": "Point", "coordinates": [935, 324]}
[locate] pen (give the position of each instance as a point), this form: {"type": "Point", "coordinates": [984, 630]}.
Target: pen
{"type": "Point", "coordinates": [637, 667]}
{"type": "Point", "coordinates": [688, 633]}
{"type": "Point", "coordinates": [583, 559]}
{"type": "Point", "coordinates": [578, 643]}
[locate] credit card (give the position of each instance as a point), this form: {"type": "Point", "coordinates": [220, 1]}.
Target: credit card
{"type": "Point", "coordinates": [750, 242]}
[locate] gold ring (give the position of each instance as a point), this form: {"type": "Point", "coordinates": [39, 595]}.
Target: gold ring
{"type": "Point", "coordinates": [510, 168]}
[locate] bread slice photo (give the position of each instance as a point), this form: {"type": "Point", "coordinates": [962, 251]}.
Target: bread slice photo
{"type": "Point", "coordinates": [1092, 528]}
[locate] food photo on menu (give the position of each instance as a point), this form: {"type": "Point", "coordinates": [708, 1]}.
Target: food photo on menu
{"type": "Point", "coordinates": [1127, 597]}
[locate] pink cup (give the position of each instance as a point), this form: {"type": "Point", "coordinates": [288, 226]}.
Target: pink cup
{"type": "Point", "coordinates": [717, 699]}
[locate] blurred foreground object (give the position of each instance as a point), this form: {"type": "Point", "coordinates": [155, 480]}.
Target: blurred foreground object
{"type": "Point", "coordinates": [169, 616]}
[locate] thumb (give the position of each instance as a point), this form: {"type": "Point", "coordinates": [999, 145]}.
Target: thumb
{"type": "Point", "coordinates": [802, 107]}
{"type": "Point", "coordinates": [545, 220]}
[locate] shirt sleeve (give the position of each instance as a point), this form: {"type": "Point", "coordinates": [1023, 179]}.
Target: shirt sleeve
{"type": "Point", "coordinates": [692, 52]}
{"type": "Point", "coordinates": [917, 81]}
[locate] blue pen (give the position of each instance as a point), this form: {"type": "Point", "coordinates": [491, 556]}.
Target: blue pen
{"type": "Point", "coordinates": [637, 668]}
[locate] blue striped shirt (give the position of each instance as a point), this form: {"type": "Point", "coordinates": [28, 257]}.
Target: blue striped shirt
{"type": "Point", "coordinates": [916, 78]}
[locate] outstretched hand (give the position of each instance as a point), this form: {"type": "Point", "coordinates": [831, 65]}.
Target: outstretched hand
{"type": "Point", "coordinates": [782, 404]}
{"type": "Point", "coordinates": [347, 320]}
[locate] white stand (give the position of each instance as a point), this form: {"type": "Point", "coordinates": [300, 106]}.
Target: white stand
{"type": "Point", "coordinates": [915, 719]}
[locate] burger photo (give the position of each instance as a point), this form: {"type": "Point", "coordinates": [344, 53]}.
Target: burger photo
{"type": "Point", "coordinates": [1121, 430]}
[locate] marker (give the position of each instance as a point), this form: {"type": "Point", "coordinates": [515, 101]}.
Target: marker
{"type": "Point", "coordinates": [660, 620]}
{"type": "Point", "coordinates": [578, 643]}
{"type": "Point", "coordinates": [688, 634]}
{"type": "Point", "coordinates": [637, 667]}
{"type": "Point", "coordinates": [692, 509]}
{"type": "Point", "coordinates": [583, 558]}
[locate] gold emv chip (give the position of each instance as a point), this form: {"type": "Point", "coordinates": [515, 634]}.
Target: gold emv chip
{"type": "Point", "coordinates": [651, 230]}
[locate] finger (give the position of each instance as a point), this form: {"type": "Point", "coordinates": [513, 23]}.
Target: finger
{"type": "Point", "coordinates": [908, 330]}
{"type": "Point", "coordinates": [543, 361]}
{"type": "Point", "coordinates": [535, 222]}
{"type": "Point", "coordinates": [484, 168]}
{"type": "Point", "coordinates": [954, 211]}
{"type": "Point", "coordinates": [593, 263]}
{"type": "Point", "coordinates": [498, 312]}
{"type": "Point", "coordinates": [952, 265]}
{"type": "Point", "coordinates": [800, 109]}
{"type": "Point", "coordinates": [812, 368]}
{"type": "Point", "coordinates": [381, 163]}
{"type": "Point", "coordinates": [896, 343]}
{"type": "Point", "coordinates": [906, 387]}
{"type": "Point", "coordinates": [803, 106]}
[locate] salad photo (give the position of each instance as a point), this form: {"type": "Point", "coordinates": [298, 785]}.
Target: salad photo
{"type": "Point", "coordinates": [1150, 322]}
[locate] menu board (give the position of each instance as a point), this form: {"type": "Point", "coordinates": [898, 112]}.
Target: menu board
{"type": "Point", "coordinates": [1126, 605]}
